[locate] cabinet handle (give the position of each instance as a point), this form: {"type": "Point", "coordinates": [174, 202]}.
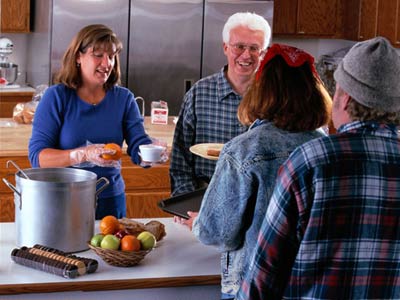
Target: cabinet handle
{"type": "Point", "coordinates": [301, 32]}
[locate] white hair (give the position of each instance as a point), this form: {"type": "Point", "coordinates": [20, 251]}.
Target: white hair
{"type": "Point", "coordinates": [250, 20]}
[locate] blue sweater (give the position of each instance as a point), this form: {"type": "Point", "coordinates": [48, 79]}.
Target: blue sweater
{"type": "Point", "coordinates": [64, 121]}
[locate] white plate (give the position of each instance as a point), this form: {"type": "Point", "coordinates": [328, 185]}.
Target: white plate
{"type": "Point", "coordinates": [201, 149]}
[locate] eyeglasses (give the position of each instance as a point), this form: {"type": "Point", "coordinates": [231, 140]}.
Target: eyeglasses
{"type": "Point", "coordinates": [240, 48]}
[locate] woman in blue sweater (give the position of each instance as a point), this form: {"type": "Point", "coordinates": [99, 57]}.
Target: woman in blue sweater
{"type": "Point", "coordinates": [85, 110]}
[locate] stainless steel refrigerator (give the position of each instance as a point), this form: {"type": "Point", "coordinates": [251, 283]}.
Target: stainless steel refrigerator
{"type": "Point", "coordinates": [168, 44]}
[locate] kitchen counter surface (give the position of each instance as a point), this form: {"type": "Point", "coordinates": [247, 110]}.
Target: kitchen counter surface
{"type": "Point", "coordinates": [17, 91]}
{"type": "Point", "coordinates": [14, 137]}
{"type": "Point", "coordinates": [179, 260]}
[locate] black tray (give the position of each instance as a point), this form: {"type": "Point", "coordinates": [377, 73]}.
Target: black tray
{"type": "Point", "coordinates": [181, 204]}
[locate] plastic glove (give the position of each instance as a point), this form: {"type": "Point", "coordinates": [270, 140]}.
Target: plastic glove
{"type": "Point", "coordinates": [165, 153]}
{"type": "Point", "coordinates": [91, 155]}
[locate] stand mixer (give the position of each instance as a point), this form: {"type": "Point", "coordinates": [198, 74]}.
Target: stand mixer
{"type": "Point", "coordinates": [8, 71]}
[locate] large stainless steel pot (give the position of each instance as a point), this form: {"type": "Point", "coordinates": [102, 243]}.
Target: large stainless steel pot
{"type": "Point", "coordinates": [55, 207]}
{"type": "Point", "coordinates": [9, 71]}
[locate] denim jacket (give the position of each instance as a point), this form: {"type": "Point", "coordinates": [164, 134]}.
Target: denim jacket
{"type": "Point", "coordinates": [237, 197]}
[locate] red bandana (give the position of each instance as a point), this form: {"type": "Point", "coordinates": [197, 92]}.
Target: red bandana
{"type": "Point", "coordinates": [294, 57]}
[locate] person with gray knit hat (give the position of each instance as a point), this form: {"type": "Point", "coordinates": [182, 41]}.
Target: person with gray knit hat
{"type": "Point", "coordinates": [369, 73]}
{"type": "Point", "coordinates": [331, 229]}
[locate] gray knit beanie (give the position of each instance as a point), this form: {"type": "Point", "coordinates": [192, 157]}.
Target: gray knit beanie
{"type": "Point", "coordinates": [369, 73]}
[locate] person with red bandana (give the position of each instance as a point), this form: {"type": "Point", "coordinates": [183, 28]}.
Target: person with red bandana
{"type": "Point", "coordinates": [286, 105]}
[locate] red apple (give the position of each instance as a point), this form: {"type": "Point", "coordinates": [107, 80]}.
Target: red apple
{"type": "Point", "coordinates": [121, 233]}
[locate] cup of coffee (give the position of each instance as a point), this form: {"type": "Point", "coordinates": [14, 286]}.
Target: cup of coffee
{"type": "Point", "coordinates": [151, 153]}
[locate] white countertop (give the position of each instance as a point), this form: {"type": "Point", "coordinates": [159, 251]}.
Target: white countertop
{"type": "Point", "coordinates": [178, 260]}
{"type": "Point", "coordinates": [17, 89]}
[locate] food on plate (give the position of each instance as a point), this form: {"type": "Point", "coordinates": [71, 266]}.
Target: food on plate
{"type": "Point", "coordinates": [110, 241]}
{"type": "Point", "coordinates": [109, 225]}
{"type": "Point", "coordinates": [213, 152]}
{"type": "Point", "coordinates": [117, 154]}
{"type": "Point", "coordinates": [147, 240]}
{"type": "Point", "coordinates": [130, 243]}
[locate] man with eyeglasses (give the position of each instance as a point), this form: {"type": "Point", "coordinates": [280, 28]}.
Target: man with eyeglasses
{"type": "Point", "coordinates": [209, 110]}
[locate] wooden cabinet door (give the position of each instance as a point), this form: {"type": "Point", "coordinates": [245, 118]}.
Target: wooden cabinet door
{"type": "Point", "coordinates": [316, 17]}
{"type": "Point", "coordinates": [285, 17]}
{"type": "Point", "coordinates": [306, 17]}
{"type": "Point", "coordinates": [387, 19]}
{"type": "Point", "coordinates": [397, 29]}
{"type": "Point", "coordinates": [15, 16]}
{"type": "Point", "coordinates": [368, 19]}
{"type": "Point", "coordinates": [144, 205]}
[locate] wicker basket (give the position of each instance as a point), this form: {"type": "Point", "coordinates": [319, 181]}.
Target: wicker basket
{"type": "Point", "coordinates": [119, 258]}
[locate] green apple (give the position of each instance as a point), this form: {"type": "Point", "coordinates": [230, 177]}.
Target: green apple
{"type": "Point", "coordinates": [110, 241]}
{"type": "Point", "coordinates": [147, 240]}
{"type": "Point", "coordinates": [96, 240]}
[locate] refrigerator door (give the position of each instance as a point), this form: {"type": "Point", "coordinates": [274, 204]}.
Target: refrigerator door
{"type": "Point", "coordinates": [164, 50]}
{"type": "Point", "coordinates": [69, 16]}
{"type": "Point", "coordinates": [216, 14]}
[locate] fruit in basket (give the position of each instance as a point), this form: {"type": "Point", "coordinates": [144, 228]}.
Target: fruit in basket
{"type": "Point", "coordinates": [96, 240]}
{"type": "Point", "coordinates": [130, 243]}
{"type": "Point", "coordinates": [109, 225]}
{"type": "Point", "coordinates": [110, 241]}
{"type": "Point", "coordinates": [121, 233]}
{"type": "Point", "coordinates": [147, 240]}
{"type": "Point", "coordinates": [117, 152]}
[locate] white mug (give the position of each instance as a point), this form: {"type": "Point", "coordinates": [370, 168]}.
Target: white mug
{"type": "Point", "coordinates": [151, 153]}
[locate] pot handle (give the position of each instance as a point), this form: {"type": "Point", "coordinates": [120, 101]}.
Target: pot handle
{"type": "Point", "coordinates": [17, 167]}
{"type": "Point", "coordinates": [106, 183]}
{"type": "Point", "coordinates": [14, 189]}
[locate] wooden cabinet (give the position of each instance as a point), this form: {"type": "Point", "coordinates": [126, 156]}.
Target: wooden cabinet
{"type": "Point", "coordinates": [15, 16]}
{"type": "Point", "coordinates": [367, 19]}
{"type": "Point", "coordinates": [8, 100]}
{"type": "Point", "coordinates": [307, 18]}
{"type": "Point", "coordinates": [371, 18]}
{"type": "Point", "coordinates": [144, 188]}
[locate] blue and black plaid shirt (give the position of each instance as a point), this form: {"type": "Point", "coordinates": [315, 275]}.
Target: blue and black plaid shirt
{"type": "Point", "coordinates": [332, 228]}
{"type": "Point", "coordinates": [208, 115]}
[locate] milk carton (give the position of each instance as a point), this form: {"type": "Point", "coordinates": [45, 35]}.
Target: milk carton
{"type": "Point", "coordinates": [159, 112]}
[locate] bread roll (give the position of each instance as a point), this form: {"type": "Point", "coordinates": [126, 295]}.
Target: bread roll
{"type": "Point", "coordinates": [213, 152]}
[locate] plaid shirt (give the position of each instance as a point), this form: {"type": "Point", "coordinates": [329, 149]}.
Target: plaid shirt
{"type": "Point", "coordinates": [332, 229]}
{"type": "Point", "coordinates": [208, 115]}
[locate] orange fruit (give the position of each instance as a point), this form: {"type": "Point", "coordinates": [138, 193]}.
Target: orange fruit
{"type": "Point", "coordinates": [109, 225]}
{"type": "Point", "coordinates": [118, 152]}
{"type": "Point", "coordinates": [130, 243]}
